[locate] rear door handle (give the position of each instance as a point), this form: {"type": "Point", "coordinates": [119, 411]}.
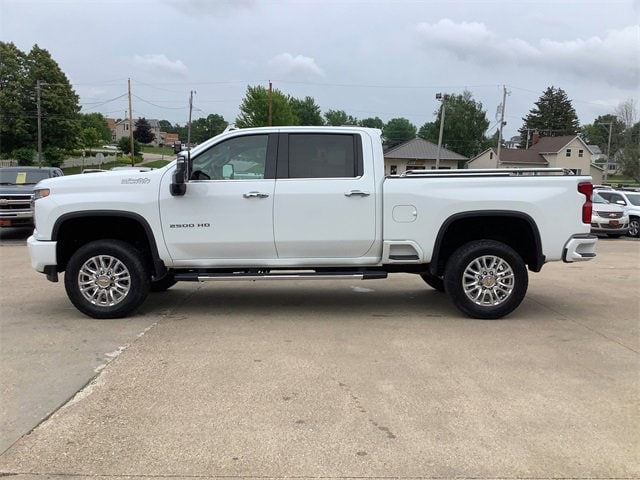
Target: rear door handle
{"type": "Point", "coordinates": [255, 194]}
{"type": "Point", "coordinates": [356, 192]}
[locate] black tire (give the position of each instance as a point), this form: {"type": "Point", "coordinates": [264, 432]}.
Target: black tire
{"type": "Point", "coordinates": [634, 227]}
{"type": "Point", "coordinates": [486, 279]}
{"type": "Point", "coordinates": [164, 284]}
{"type": "Point", "coordinates": [437, 283]}
{"type": "Point", "coordinates": [116, 281]}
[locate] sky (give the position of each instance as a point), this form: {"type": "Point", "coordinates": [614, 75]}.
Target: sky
{"type": "Point", "coordinates": [385, 58]}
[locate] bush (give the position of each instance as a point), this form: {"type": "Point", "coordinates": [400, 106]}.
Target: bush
{"type": "Point", "coordinates": [53, 156]}
{"type": "Point", "coordinates": [24, 156]}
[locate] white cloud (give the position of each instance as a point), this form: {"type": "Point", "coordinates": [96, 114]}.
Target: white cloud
{"type": "Point", "coordinates": [160, 62]}
{"type": "Point", "coordinates": [298, 66]}
{"type": "Point", "coordinates": [210, 7]}
{"type": "Point", "coordinates": [612, 58]}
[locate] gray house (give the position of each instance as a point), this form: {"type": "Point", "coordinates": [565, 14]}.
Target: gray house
{"type": "Point", "coordinates": [418, 154]}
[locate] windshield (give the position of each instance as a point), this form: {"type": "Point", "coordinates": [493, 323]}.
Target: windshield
{"type": "Point", "coordinates": [22, 177]}
{"type": "Point", "coordinates": [634, 199]}
{"type": "Point", "coordinates": [595, 198]}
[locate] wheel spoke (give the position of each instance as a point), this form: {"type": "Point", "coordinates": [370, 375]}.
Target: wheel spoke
{"type": "Point", "coordinates": [104, 280]}
{"type": "Point", "coordinates": [488, 280]}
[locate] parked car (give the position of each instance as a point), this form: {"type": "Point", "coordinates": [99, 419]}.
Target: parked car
{"type": "Point", "coordinates": [630, 200]}
{"type": "Point", "coordinates": [607, 217]}
{"type": "Point", "coordinates": [16, 193]}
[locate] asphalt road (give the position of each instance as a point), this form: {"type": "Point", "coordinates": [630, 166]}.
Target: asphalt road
{"type": "Point", "coordinates": [324, 379]}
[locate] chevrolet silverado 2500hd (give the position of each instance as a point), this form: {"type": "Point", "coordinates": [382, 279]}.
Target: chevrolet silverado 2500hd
{"type": "Point", "coordinates": [305, 203]}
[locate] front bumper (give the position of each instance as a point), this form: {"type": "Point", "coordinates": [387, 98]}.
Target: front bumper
{"type": "Point", "coordinates": [43, 254]}
{"type": "Point", "coordinates": [580, 248]}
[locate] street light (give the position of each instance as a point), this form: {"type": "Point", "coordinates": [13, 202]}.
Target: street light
{"type": "Point", "coordinates": [443, 99]}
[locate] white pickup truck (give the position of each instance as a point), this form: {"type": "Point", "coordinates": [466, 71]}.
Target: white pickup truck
{"type": "Point", "coordinates": [305, 203]}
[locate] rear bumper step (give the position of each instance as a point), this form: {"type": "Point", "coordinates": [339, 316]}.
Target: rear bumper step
{"type": "Point", "coordinates": [225, 277]}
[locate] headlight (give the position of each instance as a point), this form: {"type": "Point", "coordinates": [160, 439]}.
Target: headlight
{"type": "Point", "coordinates": [41, 193]}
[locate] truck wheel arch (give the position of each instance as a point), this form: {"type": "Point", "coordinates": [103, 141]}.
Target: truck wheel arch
{"type": "Point", "coordinates": [72, 230]}
{"type": "Point", "coordinates": [516, 229]}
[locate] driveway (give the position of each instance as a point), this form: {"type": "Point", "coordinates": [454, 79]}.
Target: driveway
{"type": "Point", "coordinates": [377, 379]}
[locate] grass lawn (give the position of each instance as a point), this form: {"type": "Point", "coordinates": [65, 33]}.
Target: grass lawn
{"type": "Point", "coordinates": [158, 150]}
{"type": "Point", "coordinates": [615, 180]}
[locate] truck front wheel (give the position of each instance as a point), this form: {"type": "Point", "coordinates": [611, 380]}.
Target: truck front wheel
{"type": "Point", "coordinates": [106, 279]}
{"type": "Point", "coordinates": [486, 279]}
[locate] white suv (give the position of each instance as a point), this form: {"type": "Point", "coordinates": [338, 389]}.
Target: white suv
{"type": "Point", "coordinates": [630, 200]}
{"type": "Point", "coordinates": [609, 218]}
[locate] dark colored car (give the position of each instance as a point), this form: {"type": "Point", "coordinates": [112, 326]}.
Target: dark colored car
{"type": "Point", "coordinates": [16, 191]}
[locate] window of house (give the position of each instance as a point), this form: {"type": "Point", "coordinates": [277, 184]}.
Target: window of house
{"type": "Point", "coordinates": [576, 171]}
{"type": "Point", "coordinates": [490, 155]}
{"type": "Point", "coordinates": [324, 156]}
{"type": "Point", "coordinates": [568, 154]}
{"type": "Point", "coordinates": [580, 153]}
{"type": "Point", "coordinates": [393, 169]}
{"type": "Point", "coordinates": [239, 158]}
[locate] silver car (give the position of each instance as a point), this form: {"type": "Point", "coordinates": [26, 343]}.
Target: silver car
{"type": "Point", "coordinates": [630, 200]}
{"type": "Point", "coordinates": [608, 218]}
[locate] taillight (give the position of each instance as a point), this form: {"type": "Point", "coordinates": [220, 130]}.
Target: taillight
{"type": "Point", "coordinates": [587, 190]}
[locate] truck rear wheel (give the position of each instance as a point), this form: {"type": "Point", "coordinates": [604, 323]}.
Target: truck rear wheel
{"type": "Point", "coordinates": [106, 279]}
{"type": "Point", "coordinates": [486, 279]}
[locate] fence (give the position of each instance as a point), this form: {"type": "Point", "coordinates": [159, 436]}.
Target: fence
{"type": "Point", "coordinates": [8, 163]}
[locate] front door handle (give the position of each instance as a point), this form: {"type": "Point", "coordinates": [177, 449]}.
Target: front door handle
{"type": "Point", "coordinates": [357, 192]}
{"type": "Point", "coordinates": [255, 194]}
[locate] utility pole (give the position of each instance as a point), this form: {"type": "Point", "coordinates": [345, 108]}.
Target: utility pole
{"type": "Point", "coordinates": [606, 166]}
{"type": "Point", "coordinates": [444, 99]}
{"type": "Point", "coordinates": [131, 127]}
{"type": "Point", "coordinates": [189, 127]}
{"type": "Point", "coordinates": [502, 123]}
{"type": "Point", "coordinates": [270, 103]}
{"type": "Point", "coordinates": [39, 84]}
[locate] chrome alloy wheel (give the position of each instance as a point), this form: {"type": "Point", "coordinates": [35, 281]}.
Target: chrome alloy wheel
{"type": "Point", "coordinates": [104, 280]}
{"type": "Point", "coordinates": [488, 281]}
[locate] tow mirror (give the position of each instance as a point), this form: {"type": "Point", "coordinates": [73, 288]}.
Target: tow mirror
{"type": "Point", "coordinates": [179, 184]}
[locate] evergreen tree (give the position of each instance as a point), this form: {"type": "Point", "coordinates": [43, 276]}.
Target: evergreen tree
{"type": "Point", "coordinates": [143, 132]}
{"type": "Point", "coordinates": [553, 116]}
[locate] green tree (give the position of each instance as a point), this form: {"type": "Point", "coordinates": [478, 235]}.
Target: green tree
{"type": "Point", "coordinates": [374, 122]}
{"type": "Point", "coordinates": [204, 128]}
{"type": "Point", "coordinates": [307, 111]}
{"type": "Point", "coordinates": [143, 132]}
{"type": "Point", "coordinates": [14, 122]}
{"type": "Point", "coordinates": [254, 109]}
{"type": "Point", "coordinates": [338, 118]}
{"type": "Point", "coordinates": [397, 131]}
{"type": "Point", "coordinates": [465, 124]}
{"type": "Point", "coordinates": [58, 100]}
{"type": "Point", "coordinates": [597, 133]}
{"type": "Point", "coordinates": [553, 116]}
{"type": "Point", "coordinates": [94, 130]}
{"type": "Point", "coordinates": [165, 126]}
{"type": "Point", "coordinates": [124, 144]}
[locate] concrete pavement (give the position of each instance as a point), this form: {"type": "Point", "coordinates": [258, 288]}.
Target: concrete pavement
{"type": "Point", "coordinates": [342, 380]}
